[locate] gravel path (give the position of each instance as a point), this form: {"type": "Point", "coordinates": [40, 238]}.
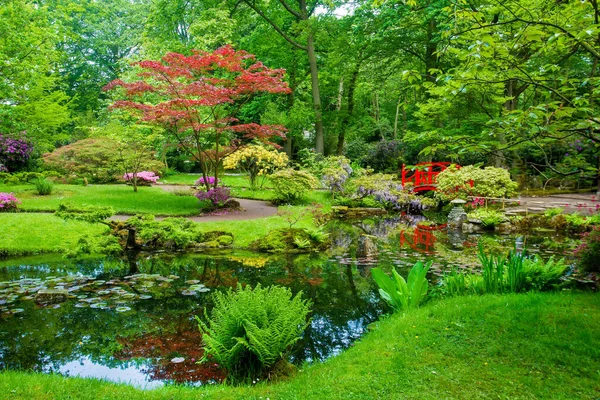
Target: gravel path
{"type": "Point", "coordinates": [584, 204]}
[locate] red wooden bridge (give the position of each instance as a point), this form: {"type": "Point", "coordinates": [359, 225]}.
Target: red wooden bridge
{"type": "Point", "coordinates": [423, 239]}
{"type": "Point", "coordinates": [423, 175]}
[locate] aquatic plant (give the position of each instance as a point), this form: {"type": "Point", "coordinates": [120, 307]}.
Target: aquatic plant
{"type": "Point", "coordinates": [502, 274]}
{"type": "Point", "coordinates": [250, 330]}
{"type": "Point", "coordinates": [489, 218]}
{"type": "Point", "coordinates": [400, 294]}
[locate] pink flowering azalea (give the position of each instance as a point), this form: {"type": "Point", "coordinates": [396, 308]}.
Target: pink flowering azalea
{"type": "Point", "coordinates": [8, 201]}
{"type": "Point", "coordinates": [210, 179]}
{"type": "Point", "coordinates": [144, 176]}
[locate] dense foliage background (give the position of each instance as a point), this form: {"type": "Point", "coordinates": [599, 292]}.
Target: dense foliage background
{"type": "Point", "coordinates": [505, 83]}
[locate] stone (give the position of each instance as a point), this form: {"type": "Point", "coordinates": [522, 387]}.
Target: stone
{"type": "Point", "coordinates": [468, 227]}
{"type": "Point", "coordinates": [457, 215]}
{"type": "Point", "coordinates": [51, 296]}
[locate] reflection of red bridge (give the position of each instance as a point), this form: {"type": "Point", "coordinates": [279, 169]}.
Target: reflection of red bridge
{"type": "Point", "coordinates": [423, 239]}
{"type": "Point", "coordinates": [423, 178]}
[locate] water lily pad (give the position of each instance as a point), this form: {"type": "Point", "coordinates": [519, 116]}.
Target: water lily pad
{"type": "Point", "coordinates": [145, 297]}
{"type": "Point", "coordinates": [103, 292]}
{"type": "Point", "coordinates": [189, 293]}
{"type": "Point", "coordinates": [192, 282]}
{"type": "Point", "coordinates": [123, 309]}
{"type": "Point", "coordinates": [177, 360]}
{"type": "Point", "coordinates": [81, 305]}
{"type": "Point", "coordinates": [17, 310]}
{"type": "Point", "coordinates": [82, 296]}
{"type": "Point", "coordinates": [98, 305]}
{"type": "Point", "coordinates": [99, 283]}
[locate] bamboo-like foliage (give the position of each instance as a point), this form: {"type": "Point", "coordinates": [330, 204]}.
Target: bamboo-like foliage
{"type": "Point", "coordinates": [399, 293]}
{"type": "Point", "coordinates": [249, 330]}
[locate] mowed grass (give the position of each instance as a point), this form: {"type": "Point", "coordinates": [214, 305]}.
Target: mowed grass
{"type": "Point", "coordinates": [233, 181]}
{"type": "Point", "coordinates": [148, 200]}
{"type": "Point", "coordinates": [23, 233]}
{"type": "Point", "coordinates": [525, 346]}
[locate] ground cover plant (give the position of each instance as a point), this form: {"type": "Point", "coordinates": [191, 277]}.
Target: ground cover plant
{"type": "Point", "coordinates": [549, 346]}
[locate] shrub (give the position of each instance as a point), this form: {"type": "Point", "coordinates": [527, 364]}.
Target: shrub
{"type": "Point", "coordinates": [43, 186]}
{"type": "Point", "coordinates": [96, 159]}
{"type": "Point", "coordinates": [144, 178]}
{"type": "Point", "coordinates": [8, 202]}
{"type": "Point", "coordinates": [399, 294]}
{"type": "Point", "coordinates": [384, 157]}
{"type": "Point", "coordinates": [588, 252]}
{"type": "Point", "coordinates": [257, 161]}
{"type": "Point", "coordinates": [208, 181]}
{"type": "Point", "coordinates": [14, 152]}
{"type": "Point", "coordinates": [458, 284]}
{"type": "Point", "coordinates": [291, 185]}
{"type": "Point", "coordinates": [217, 196]}
{"type": "Point", "coordinates": [250, 330]}
{"type": "Point", "coordinates": [488, 182]}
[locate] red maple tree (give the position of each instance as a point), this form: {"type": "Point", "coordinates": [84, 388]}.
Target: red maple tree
{"type": "Point", "coordinates": [196, 99]}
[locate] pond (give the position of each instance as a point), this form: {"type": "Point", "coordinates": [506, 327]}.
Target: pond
{"type": "Point", "coordinates": [133, 321]}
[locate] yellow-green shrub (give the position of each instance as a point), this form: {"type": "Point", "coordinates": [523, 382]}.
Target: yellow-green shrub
{"type": "Point", "coordinates": [257, 161]}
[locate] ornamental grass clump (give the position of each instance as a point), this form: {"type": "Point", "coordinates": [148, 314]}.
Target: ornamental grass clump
{"type": "Point", "coordinates": [250, 331]}
{"type": "Point", "coordinates": [8, 202]}
{"type": "Point", "coordinates": [43, 186]}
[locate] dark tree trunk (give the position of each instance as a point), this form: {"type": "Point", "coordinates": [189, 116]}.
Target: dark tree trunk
{"type": "Point", "coordinates": [350, 110]}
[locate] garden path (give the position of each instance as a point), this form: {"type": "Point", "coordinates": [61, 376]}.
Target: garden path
{"type": "Point", "coordinates": [583, 204]}
{"type": "Point", "coordinates": [251, 209]}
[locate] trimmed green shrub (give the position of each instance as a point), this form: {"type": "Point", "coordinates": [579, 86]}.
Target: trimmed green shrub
{"type": "Point", "coordinates": [489, 218]}
{"type": "Point", "coordinates": [250, 330]}
{"type": "Point", "coordinates": [291, 185]}
{"type": "Point", "coordinates": [492, 182]}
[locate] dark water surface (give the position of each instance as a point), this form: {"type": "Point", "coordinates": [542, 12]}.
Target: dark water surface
{"type": "Point", "coordinates": [133, 321]}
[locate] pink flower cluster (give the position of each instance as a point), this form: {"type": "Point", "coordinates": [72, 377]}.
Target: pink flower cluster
{"type": "Point", "coordinates": [8, 201]}
{"type": "Point", "coordinates": [210, 179]}
{"type": "Point", "coordinates": [144, 176]}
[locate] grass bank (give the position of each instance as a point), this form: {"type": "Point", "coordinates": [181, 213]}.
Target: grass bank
{"type": "Point", "coordinates": [148, 200]}
{"type": "Point", "coordinates": [24, 233]}
{"type": "Point", "coordinates": [523, 346]}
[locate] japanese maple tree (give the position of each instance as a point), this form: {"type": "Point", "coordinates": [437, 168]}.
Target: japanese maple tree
{"type": "Point", "coordinates": [196, 99]}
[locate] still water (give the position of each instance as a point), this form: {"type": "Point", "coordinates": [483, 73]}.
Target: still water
{"type": "Point", "coordinates": [133, 321]}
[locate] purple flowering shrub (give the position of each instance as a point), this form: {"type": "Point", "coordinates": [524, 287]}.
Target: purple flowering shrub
{"type": "Point", "coordinates": [217, 196]}
{"type": "Point", "coordinates": [14, 152]}
{"type": "Point", "coordinates": [210, 180]}
{"type": "Point", "coordinates": [336, 172]}
{"type": "Point", "coordinates": [144, 177]}
{"type": "Point", "coordinates": [8, 202]}
{"type": "Point", "coordinates": [386, 192]}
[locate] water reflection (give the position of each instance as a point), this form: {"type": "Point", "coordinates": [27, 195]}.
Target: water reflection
{"type": "Point", "coordinates": [156, 341]}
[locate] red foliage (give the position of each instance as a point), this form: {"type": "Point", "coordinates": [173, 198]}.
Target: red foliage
{"type": "Point", "coordinates": [197, 97]}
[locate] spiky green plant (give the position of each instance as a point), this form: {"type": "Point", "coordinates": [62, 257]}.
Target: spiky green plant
{"type": "Point", "coordinates": [399, 293]}
{"type": "Point", "coordinates": [249, 330]}
{"type": "Point", "coordinates": [502, 274]}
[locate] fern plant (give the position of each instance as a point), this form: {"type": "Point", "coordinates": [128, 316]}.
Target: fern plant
{"type": "Point", "coordinates": [250, 330]}
{"type": "Point", "coordinates": [399, 293]}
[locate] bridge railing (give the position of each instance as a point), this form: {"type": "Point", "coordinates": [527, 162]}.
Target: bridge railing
{"type": "Point", "coordinates": [423, 175]}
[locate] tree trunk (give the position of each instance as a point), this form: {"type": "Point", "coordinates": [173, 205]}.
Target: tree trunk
{"type": "Point", "coordinates": [350, 110]}
{"type": "Point", "coordinates": [314, 76]}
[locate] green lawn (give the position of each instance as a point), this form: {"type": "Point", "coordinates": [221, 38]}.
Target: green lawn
{"type": "Point", "coordinates": [24, 233]}
{"type": "Point", "coordinates": [148, 200]}
{"type": "Point", "coordinates": [233, 181]}
{"type": "Point", "coordinates": [526, 346]}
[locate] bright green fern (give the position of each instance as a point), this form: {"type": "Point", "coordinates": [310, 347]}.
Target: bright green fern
{"type": "Point", "coordinates": [250, 330]}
